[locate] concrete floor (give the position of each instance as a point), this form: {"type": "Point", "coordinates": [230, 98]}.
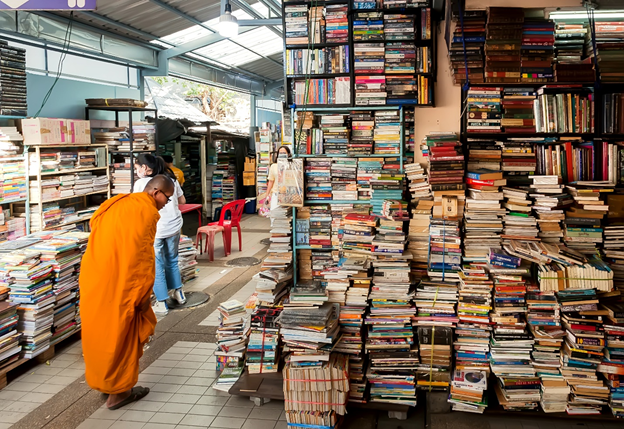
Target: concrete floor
{"type": "Point", "coordinates": [184, 343]}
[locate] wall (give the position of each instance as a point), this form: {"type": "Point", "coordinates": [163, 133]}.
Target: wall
{"type": "Point", "coordinates": [267, 116]}
{"type": "Point", "coordinates": [446, 115]}
{"type": "Point", "coordinates": [68, 98]}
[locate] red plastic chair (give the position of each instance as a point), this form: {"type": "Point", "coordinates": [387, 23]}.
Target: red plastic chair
{"type": "Point", "coordinates": [210, 231]}
{"type": "Point", "coordinates": [236, 209]}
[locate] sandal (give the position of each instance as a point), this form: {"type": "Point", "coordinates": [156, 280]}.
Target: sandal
{"type": "Point", "coordinates": [135, 394]}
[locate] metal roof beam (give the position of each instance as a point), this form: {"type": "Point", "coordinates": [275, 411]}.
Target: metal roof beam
{"type": "Point", "coordinates": [272, 6]}
{"type": "Point", "coordinates": [251, 11]}
{"type": "Point", "coordinates": [121, 25]}
{"type": "Point", "coordinates": [198, 43]}
{"type": "Point", "coordinates": [207, 27]}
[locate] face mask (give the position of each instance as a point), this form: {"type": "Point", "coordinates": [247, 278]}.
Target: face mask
{"type": "Point", "coordinates": [282, 156]}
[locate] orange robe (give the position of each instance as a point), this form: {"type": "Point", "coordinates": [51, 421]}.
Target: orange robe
{"type": "Point", "coordinates": [116, 280]}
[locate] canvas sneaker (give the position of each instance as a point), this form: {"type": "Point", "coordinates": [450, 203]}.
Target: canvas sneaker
{"type": "Point", "coordinates": [160, 308]}
{"type": "Point", "coordinates": [179, 296]}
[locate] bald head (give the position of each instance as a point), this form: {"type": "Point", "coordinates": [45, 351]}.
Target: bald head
{"type": "Point", "coordinates": [161, 188]}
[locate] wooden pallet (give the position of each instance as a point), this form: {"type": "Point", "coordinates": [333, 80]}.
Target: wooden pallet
{"type": "Point", "coordinates": [42, 358]}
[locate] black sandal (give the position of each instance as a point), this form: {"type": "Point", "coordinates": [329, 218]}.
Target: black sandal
{"type": "Point", "coordinates": [135, 394]}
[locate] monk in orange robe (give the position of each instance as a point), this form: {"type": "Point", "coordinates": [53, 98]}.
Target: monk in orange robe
{"type": "Point", "coordinates": [116, 280]}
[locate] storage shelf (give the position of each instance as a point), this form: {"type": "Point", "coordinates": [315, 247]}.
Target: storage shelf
{"type": "Point", "coordinates": [19, 200]}
{"type": "Point", "coordinates": [318, 45]}
{"type": "Point", "coordinates": [498, 136]}
{"type": "Point", "coordinates": [338, 108]}
{"type": "Point", "coordinates": [342, 155]}
{"type": "Point", "coordinates": [122, 108]}
{"type": "Point", "coordinates": [53, 145]}
{"type": "Point", "coordinates": [76, 170]}
{"type": "Point", "coordinates": [69, 198]}
{"type": "Point", "coordinates": [82, 219]}
{"type": "Point", "coordinates": [12, 117]}
{"type": "Point", "coordinates": [124, 152]}
{"type": "Point", "coordinates": [304, 247]}
{"type": "Point", "coordinates": [337, 202]}
{"type": "Point", "coordinates": [317, 76]}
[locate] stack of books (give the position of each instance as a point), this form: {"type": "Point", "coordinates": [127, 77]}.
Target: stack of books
{"type": "Point", "coordinates": [446, 173]}
{"type": "Point", "coordinates": [473, 330]}
{"type": "Point", "coordinates": [335, 134]}
{"type": "Point", "coordinates": [608, 38]}
{"type": "Point", "coordinates": [401, 90]}
{"type": "Point", "coordinates": [518, 393]}
{"type": "Point", "coordinates": [611, 365]}
{"type": "Point", "coordinates": [550, 200]}
{"type": "Point", "coordinates": [370, 90]}
{"type": "Point", "coordinates": [555, 394]}
{"type": "Point", "coordinates": [318, 179]}
{"type": "Point", "coordinates": [13, 71]}
{"type": "Point", "coordinates": [418, 238]}
{"type": "Point", "coordinates": [273, 284]}
{"type": "Point", "coordinates": [473, 34]}
{"type": "Point", "coordinates": [544, 322]}
{"type": "Point", "coordinates": [445, 253]}
{"type": "Point", "coordinates": [344, 179]}
{"type": "Point", "coordinates": [10, 345]}
{"type": "Point", "coordinates": [569, 45]}
{"type": "Point", "coordinates": [316, 24]}
{"type": "Point", "coordinates": [468, 391]}
{"type": "Point", "coordinates": [436, 304]}
{"type": "Point", "coordinates": [359, 233]}
{"type": "Point", "coordinates": [232, 334]}
{"type": "Point", "coordinates": [538, 47]}
{"type": "Point", "coordinates": [387, 132]}
{"type": "Point", "coordinates": [435, 369]}
{"type": "Point", "coordinates": [483, 155]}
{"type": "Point", "coordinates": [582, 351]}
{"type": "Point", "coordinates": [400, 57]}
{"type": "Point", "coordinates": [320, 229]}
{"type": "Point", "coordinates": [367, 169]}
{"type": "Point", "coordinates": [263, 349]}
{"type": "Point", "coordinates": [187, 261]}
{"type": "Point", "coordinates": [317, 61]}
{"type": "Point", "coordinates": [483, 218]}
{"type": "Point", "coordinates": [399, 27]}
{"type": "Point", "coordinates": [368, 26]}
{"type": "Point", "coordinates": [484, 110]}
{"type": "Point", "coordinates": [361, 141]}
{"type": "Point", "coordinates": [369, 59]}
{"type": "Point", "coordinates": [520, 224]}
{"type": "Point", "coordinates": [564, 110]}
{"type": "Point", "coordinates": [503, 44]}
{"type": "Point", "coordinates": [519, 161]}
{"type": "Point", "coordinates": [518, 115]}
{"type": "Point", "coordinates": [418, 184]}
{"type": "Point", "coordinates": [336, 23]}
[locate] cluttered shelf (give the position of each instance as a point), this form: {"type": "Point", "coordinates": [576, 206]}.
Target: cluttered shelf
{"type": "Point", "coordinates": [68, 171]}
{"type": "Point", "coordinates": [104, 191]}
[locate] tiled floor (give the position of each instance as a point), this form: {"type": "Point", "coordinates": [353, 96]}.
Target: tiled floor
{"type": "Point", "coordinates": [181, 398]}
{"type": "Point", "coordinates": [32, 389]}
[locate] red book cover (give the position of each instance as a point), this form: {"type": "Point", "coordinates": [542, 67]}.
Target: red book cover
{"type": "Point", "coordinates": [481, 182]}
{"type": "Point", "coordinates": [569, 166]}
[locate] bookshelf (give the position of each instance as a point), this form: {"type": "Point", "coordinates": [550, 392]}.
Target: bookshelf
{"type": "Point", "coordinates": [317, 111]}
{"type": "Point", "coordinates": [46, 171]}
{"type": "Point", "coordinates": [400, 75]}
{"type": "Point", "coordinates": [119, 158]}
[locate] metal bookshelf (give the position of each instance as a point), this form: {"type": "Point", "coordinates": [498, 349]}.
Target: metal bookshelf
{"type": "Point", "coordinates": [42, 175]}
{"type": "Point", "coordinates": [27, 181]}
{"type": "Point", "coordinates": [400, 155]}
{"type": "Point", "coordinates": [129, 110]}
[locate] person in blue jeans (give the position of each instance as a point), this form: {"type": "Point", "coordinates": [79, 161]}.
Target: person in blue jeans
{"type": "Point", "coordinates": [168, 278]}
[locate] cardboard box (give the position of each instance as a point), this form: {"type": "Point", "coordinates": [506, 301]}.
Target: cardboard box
{"type": "Point", "coordinates": [56, 131]}
{"type": "Point", "coordinates": [249, 178]}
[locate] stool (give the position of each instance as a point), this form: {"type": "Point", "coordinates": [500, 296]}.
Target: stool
{"type": "Point", "coordinates": [210, 231]}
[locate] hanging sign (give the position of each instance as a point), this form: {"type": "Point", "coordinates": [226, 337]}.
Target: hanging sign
{"type": "Point", "coordinates": [47, 4]}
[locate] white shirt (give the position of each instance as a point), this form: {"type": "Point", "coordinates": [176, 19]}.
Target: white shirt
{"type": "Point", "coordinates": [170, 222]}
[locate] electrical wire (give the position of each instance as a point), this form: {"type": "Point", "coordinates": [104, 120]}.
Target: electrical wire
{"type": "Point", "coordinates": [59, 71]}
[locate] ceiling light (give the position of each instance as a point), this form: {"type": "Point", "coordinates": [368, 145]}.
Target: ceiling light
{"type": "Point", "coordinates": [228, 24]}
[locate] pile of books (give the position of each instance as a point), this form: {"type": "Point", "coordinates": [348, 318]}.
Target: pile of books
{"type": "Point", "coordinates": [13, 80]}
{"type": "Point", "coordinates": [550, 200]}
{"type": "Point", "coordinates": [369, 59]}
{"type": "Point", "coordinates": [263, 348]}
{"type": "Point", "coordinates": [569, 111]}
{"type": "Point", "coordinates": [10, 345]}
{"type": "Point", "coordinates": [361, 141]}
{"type": "Point", "coordinates": [483, 217]}
{"type": "Point", "coordinates": [359, 233]}
{"type": "Point", "coordinates": [344, 179]}
{"type": "Point", "coordinates": [334, 133]}
{"type": "Point", "coordinates": [368, 26]}
{"type": "Point", "coordinates": [399, 27]}
{"type": "Point", "coordinates": [569, 46]}
{"type": "Point", "coordinates": [445, 253]}
{"type": "Point", "coordinates": [436, 304]}
{"type": "Point", "coordinates": [401, 90]}
{"type": "Point", "coordinates": [608, 39]}
{"type": "Point", "coordinates": [473, 34]}
{"type": "Point", "coordinates": [503, 44]}
{"type": "Point", "coordinates": [518, 114]}
{"type": "Point", "coordinates": [318, 179]}
{"type": "Point", "coordinates": [435, 369]}
{"type": "Point", "coordinates": [519, 222]}
{"type": "Point", "coordinates": [370, 90]}
{"type": "Point", "coordinates": [187, 261]}
{"type": "Point", "coordinates": [418, 238]}
{"type": "Point", "coordinates": [387, 132]}
{"type": "Point", "coordinates": [232, 334]}
{"type": "Point", "coordinates": [305, 393]}
{"type": "Point", "coordinates": [400, 57]}
{"type": "Point", "coordinates": [538, 46]}
{"type": "Point", "coordinates": [336, 23]}
{"type": "Point", "coordinates": [544, 322]}
{"type": "Point", "coordinates": [418, 184]}
{"type": "Point", "coordinates": [518, 161]}
{"type": "Point", "coordinates": [484, 110]}
{"type": "Point", "coordinates": [318, 61]}
{"type": "Point", "coordinates": [446, 171]}
{"type": "Point", "coordinates": [296, 19]}
{"type": "Point", "coordinates": [468, 391]}
{"type": "Point", "coordinates": [611, 365]}
{"type": "Point", "coordinates": [583, 223]}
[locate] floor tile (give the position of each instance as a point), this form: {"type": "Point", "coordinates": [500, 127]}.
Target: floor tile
{"type": "Point", "coordinates": [166, 388]}
{"type": "Point", "coordinates": [59, 379]}
{"type": "Point", "coordinates": [21, 407]}
{"type": "Point", "coordinates": [11, 416]}
{"type": "Point", "coordinates": [184, 398]}
{"type": "Point", "coordinates": [156, 370]}
{"type": "Point", "coordinates": [39, 397]}
{"type": "Point", "coordinates": [145, 406]}
{"type": "Point", "coordinates": [174, 356]}
{"type": "Point", "coordinates": [283, 415]}
{"type": "Point", "coordinates": [197, 420]}
{"type": "Point", "coordinates": [212, 400]}
{"type": "Point", "coordinates": [200, 381]}
{"type": "Point", "coordinates": [159, 426]}
{"type": "Point", "coordinates": [190, 365]}
{"type": "Point", "coordinates": [181, 350]}
{"type": "Point", "coordinates": [151, 378]}
{"type": "Point", "coordinates": [259, 424]}
{"type": "Point", "coordinates": [8, 395]}
{"type": "Point", "coordinates": [174, 379]}
{"type": "Point", "coordinates": [197, 358]}
{"type": "Point", "coordinates": [176, 408]}
{"type": "Point", "coordinates": [281, 424]}
{"type": "Point", "coordinates": [164, 363]}
{"type": "Point", "coordinates": [206, 373]}
{"type": "Point", "coordinates": [49, 388]}
{"type": "Point", "coordinates": [20, 386]}
{"type": "Point", "coordinates": [206, 410]}
{"type": "Point", "coordinates": [95, 424]}
{"type": "Point", "coordinates": [215, 392]}
{"type": "Point", "coordinates": [189, 427]}
{"type": "Point", "coordinates": [158, 397]}
{"type": "Point", "coordinates": [234, 412]}
{"type": "Point", "coordinates": [106, 414]}
{"type": "Point", "coordinates": [137, 416]}
{"type": "Point", "coordinates": [46, 370]}
{"type": "Point", "coordinates": [227, 422]}
{"type": "Point", "coordinates": [127, 425]}
{"type": "Point", "coordinates": [193, 390]}
{"type": "Point", "coordinates": [181, 372]}
{"type": "Point", "coordinates": [240, 401]}
{"type": "Point", "coordinates": [171, 418]}
{"type": "Point", "coordinates": [186, 344]}
{"type": "Point", "coordinates": [35, 378]}
{"type": "Point", "coordinates": [68, 372]}
{"type": "Point", "coordinates": [265, 413]}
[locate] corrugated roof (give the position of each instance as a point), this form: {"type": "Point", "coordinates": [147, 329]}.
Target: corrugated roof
{"type": "Point", "coordinates": [151, 19]}
{"type": "Point", "coordinates": [171, 105]}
